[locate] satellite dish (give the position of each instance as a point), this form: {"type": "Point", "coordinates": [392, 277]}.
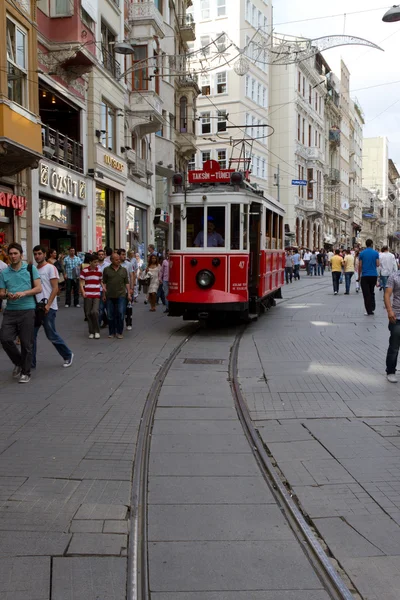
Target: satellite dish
{"type": "Point", "coordinates": [345, 205]}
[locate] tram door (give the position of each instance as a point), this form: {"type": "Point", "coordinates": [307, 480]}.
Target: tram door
{"type": "Point", "coordinates": [255, 248]}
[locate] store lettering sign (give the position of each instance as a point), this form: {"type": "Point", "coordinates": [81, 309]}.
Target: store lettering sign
{"type": "Point", "coordinates": [64, 184]}
{"type": "Point", "coordinates": [113, 163]}
{"type": "Point", "coordinates": [18, 203]}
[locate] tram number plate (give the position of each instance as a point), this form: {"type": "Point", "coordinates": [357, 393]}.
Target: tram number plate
{"type": "Point", "coordinates": [203, 361]}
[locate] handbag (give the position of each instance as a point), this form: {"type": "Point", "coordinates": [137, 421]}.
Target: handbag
{"type": "Point", "coordinates": [40, 307]}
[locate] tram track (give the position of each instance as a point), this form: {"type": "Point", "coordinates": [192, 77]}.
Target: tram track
{"type": "Point", "coordinates": [138, 585]}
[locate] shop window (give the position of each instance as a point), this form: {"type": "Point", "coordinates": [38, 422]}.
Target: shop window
{"type": "Point", "coordinates": [105, 217]}
{"type": "Point", "coordinates": [107, 118]}
{"type": "Point", "coordinates": [177, 227]}
{"type": "Point", "coordinates": [221, 83]}
{"type": "Point", "coordinates": [221, 159]}
{"type": "Point", "coordinates": [205, 122]}
{"type": "Point", "coordinates": [235, 226]}
{"type": "Point", "coordinates": [183, 114]}
{"type": "Point", "coordinates": [16, 63]}
{"type": "Point", "coordinates": [135, 227]}
{"type": "Point", "coordinates": [139, 72]}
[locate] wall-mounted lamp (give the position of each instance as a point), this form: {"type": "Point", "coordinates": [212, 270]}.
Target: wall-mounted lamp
{"type": "Point", "coordinates": [44, 94]}
{"type": "Point", "coordinates": [53, 99]}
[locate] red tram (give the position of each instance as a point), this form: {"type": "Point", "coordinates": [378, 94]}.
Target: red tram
{"type": "Point", "coordinates": [226, 247]}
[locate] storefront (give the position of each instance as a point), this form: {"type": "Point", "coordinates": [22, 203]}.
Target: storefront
{"type": "Point", "coordinates": [12, 206]}
{"type": "Point", "coordinates": [63, 197]}
{"type": "Point", "coordinates": [136, 226]}
{"type": "Point", "coordinates": [110, 178]}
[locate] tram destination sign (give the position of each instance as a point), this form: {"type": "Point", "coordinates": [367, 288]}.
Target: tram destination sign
{"type": "Point", "coordinates": [211, 173]}
{"type": "Point", "coordinates": [299, 182]}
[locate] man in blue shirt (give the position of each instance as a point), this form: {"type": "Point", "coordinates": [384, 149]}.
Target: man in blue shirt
{"type": "Point", "coordinates": [19, 317]}
{"type": "Point", "coordinates": [296, 264]}
{"type": "Point", "coordinates": [72, 265]}
{"type": "Point", "coordinates": [368, 272]}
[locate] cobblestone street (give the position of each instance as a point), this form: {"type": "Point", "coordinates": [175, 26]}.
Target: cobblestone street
{"type": "Point", "coordinates": [313, 374]}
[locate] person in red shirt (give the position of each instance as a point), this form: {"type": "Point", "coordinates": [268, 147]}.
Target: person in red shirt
{"type": "Point", "coordinates": [90, 280]}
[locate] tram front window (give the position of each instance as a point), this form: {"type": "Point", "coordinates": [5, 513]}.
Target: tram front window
{"type": "Point", "coordinates": [211, 236]}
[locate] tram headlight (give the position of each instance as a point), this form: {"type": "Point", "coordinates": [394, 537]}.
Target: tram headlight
{"type": "Point", "coordinates": [205, 279]}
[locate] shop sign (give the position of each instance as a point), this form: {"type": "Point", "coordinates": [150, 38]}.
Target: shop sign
{"type": "Point", "coordinates": [18, 203]}
{"type": "Point", "coordinates": [61, 182]}
{"type": "Point", "coordinates": [113, 163]}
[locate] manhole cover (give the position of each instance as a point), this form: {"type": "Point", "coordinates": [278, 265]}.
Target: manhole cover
{"type": "Point", "coordinates": [203, 361]}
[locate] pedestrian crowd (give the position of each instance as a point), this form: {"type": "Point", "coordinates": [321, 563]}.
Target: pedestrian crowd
{"type": "Point", "coordinates": [109, 281]}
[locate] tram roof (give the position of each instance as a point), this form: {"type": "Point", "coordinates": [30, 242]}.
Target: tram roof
{"type": "Point", "coordinates": [227, 194]}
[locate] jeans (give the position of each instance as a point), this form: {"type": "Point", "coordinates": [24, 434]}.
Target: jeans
{"type": "Point", "coordinates": [128, 315]}
{"type": "Point", "coordinates": [49, 326]}
{"type": "Point", "coordinates": [166, 291]}
{"type": "Point", "coordinates": [383, 281]}
{"type": "Point", "coordinates": [312, 269]}
{"type": "Point", "coordinates": [296, 271]}
{"type": "Point", "coordinates": [306, 262]}
{"type": "Point", "coordinates": [393, 350]}
{"type": "Point", "coordinates": [102, 312]}
{"type": "Point", "coordinates": [18, 323]}
{"type": "Point", "coordinates": [160, 294]}
{"type": "Point", "coordinates": [289, 274]}
{"type": "Point", "coordinates": [72, 283]}
{"type": "Point", "coordinates": [347, 278]}
{"type": "Point", "coordinates": [368, 283]}
{"type": "Point", "coordinates": [335, 280]}
{"type": "Point", "coordinates": [116, 308]}
{"type": "Point", "coordinates": [91, 308]}
{"type": "Point", "coordinates": [321, 269]}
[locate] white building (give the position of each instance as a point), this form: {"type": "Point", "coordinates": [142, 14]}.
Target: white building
{"type": "Point", "coordinates": [376, 181]}
{"type": "Point", "coordinates": [232, 107]}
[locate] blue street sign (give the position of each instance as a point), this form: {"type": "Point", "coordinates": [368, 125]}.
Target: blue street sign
{"type": "Point", "coordinates": [299, 181]}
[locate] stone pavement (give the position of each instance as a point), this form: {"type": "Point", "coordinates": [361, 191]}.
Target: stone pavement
{"type": "Point", "coordinates": [67, 442]}
{"type": "Point", "coordinates": [313, 372]}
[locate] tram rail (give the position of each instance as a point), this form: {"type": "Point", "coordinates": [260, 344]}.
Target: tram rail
{"type": "Point", "coordinates": [138, 587]}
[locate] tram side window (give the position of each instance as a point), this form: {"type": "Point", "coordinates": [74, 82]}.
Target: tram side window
{"type": "Point", "coordinates": [245, 225]}
{"type": "Point", "coordinates": [268, 228]}
{"type": "Point", "coordinates": [235, 226]}
{"type": "Point", "coordinates": [274, 231]}
{"type": "Point", "coordinates": [177, 227]}
{"type": "Point", "coordinates": [280, 222]}
{"type": "Point", "coordinates": [194, 224]}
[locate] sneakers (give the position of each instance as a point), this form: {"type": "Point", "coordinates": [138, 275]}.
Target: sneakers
{"type": "Point", "coordinates": [17, 372]}
{"type": "Point", "coordinates": [335, 293]}
{"type": "Point", "coordinates": [24, 379]}
{"type": "Point", "coordinates": [77, 306]}
{"type": "Point", "coordinates": [67, 306]}
{"type": "Point", "coordinates": [91, 336]}
{"type": "Point", "coordinates": [129, 328]}
{"type": "Point", "coordinates": [392, 378]}
{"type": "Point", "coordinates": [120, 336]}
{"type": "Point", "coordinates": [357, 290]}
{"type": "Point", "coordinates": [68, 361]}
{"type": "Point", "coordinates": [97, 336]}
{"type": "Point", "coordinates": [111, 336]}
{"type": "Point", "coordinates": [368, 314]}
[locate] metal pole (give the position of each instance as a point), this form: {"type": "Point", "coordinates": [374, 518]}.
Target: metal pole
{"type": "Point", "coordinates": [278, 183]}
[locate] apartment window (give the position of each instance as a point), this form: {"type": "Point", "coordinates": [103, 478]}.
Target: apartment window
{"type": "Point", "coordinates": [259, 92]}
{"type": "Point", "coordinates": [264, 97]}
{"type": "Point", "coordinates": [108, 40]}
{"type": "Point", "coordinates": [16, 63]}
{"type": "Point", "coordinates": [159, 5]}
{"type": "Point", "coordinates": [247, 85]}
{"type": "Point", "coordinates": [265, 24]}
{"type": "Point", "coordinates": [221, 8]}
{"type": "Point", "coordinates": [320, 105]}
{"type": "Point", "coordinates": [139, 73]}
{"type": "Point", "coordinates": [205, 85]}
{"type": "Point", "coordinates": [107, 125]}
{"type": "Point", "coordinates": [248, 10]}
{"type": "Point", "coordinates": [253, 89]}
{"type": "Point", "coordinates": [299, 128]}
{"type": "Point", "coordinates": [309, 135]}
{"type": "Point", "coordinates": [304, 86]}
{"type": "Point", "coordinates": [260, 19]}
{"type": "Point", "coordinates": [221, 123]}
{"type": "Point", "coordinates": [316, 101]}
{"type": "Point", "coordinates": [319, 140]}
{"type": "Point", "coordinates": [61, 8]}
{"type": "Point", "coordinates": [205, 45]}
{"type": "Point", "coordinates": [205, 9]}
{"type": "Point", "coordinates": [253, 126]}
{"type": "Point", "coordinates": [316, 139]}
{"type": "Point", "coordinates": [310, 185]}
{"type": "Point", "coordinates": [222, 159]}
{"type": "Point", "coordinates": [303, 131]}
{"type": "Point", "coordinates": [309, 94]}
{"type": "Point", "coordinates": [221, 42]}
{"type": "Point", "coordinates": [205, 156]}
{"type": "Point", "coordinates": [191, 166]}
{"type": "Point", "coordinates": [205, 122]}
{"type": "Point", "coordinates": [254, 16]}
{"type": "Point", "coordinates": [87, 19]}
{"type": "Point", "coordinates": [221, 83]}
{"type": "Point", "coordinates": [183, 114]}
{"type": "Point", "coordinates": [263, 168]}
{"type": "Point", "coordinates": [299, 82]}
{"type": "Point", "coordinates": [258, 166]}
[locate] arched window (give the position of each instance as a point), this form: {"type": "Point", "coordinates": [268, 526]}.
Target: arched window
{"type": "Point", "coordinates": [183, 114]}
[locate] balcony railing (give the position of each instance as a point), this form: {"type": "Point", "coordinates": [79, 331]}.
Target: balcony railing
{"type": "Point", "coordinates": [187, 27]}
{"type": "Point", "coordinates": [143, 13]}
{"type": "Point", "coordinates": [110, 63]}
{"type": "Point", "coordinates": [138, 167]}
{"type": "Point", "coordinates": [62, 149]}
{"type": "Point", "coordinates": [315, 154]}
{"type": "Point", "coordinates": [334, 175]}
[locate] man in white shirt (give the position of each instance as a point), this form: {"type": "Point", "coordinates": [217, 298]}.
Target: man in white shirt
{"type": "Point", "coordinates": [49, 279]}
{"type": "Point", "coordinates": [387, 266]}
{"type": "Point", "coordinates": [307, 258]}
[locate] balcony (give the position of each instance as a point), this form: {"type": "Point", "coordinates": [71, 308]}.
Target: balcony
{"type": "Point", "coordinates": [188, 83]}
{"type": "Point", "coordinates": [187, 27]}
{"type": "Point", "coordinates": [302, 151]}
{"type": "Point", "coordinates": [20, 143]}
{"type": "Point", "coordinates": [334, 136]}
{"type": "Point", "coordinates": [138, 167]}
{"type": "Point", "coordinates": [110, 63]}
{"type": "Point", "coordinates": [315, 154]}
{"type": "Point", "coordinates": [145, 14]}
{"type": "Point", "coordinates": [61, 149]}
{"type": "Point", "coordinates": [145, 112]}
{"type": "Point", "coordinates": [334, 175]}
{"type": "Point", "coordinates": [186, 144]}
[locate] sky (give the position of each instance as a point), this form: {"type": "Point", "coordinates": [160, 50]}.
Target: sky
{"type": "Point", "coordinates": [368, 68]}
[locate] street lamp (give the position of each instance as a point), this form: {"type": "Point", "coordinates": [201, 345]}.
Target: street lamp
{"type": "Point", "coordinates": [392, 15]}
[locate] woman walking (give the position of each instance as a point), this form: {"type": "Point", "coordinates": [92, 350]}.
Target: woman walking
{"type": "Point", "coordinates": [153, 269]}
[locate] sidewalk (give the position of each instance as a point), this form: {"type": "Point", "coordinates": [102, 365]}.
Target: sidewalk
{"type": "Point", "coordinates": [313, 371]}
{"type": "Point", "coordinates": [67, 441]}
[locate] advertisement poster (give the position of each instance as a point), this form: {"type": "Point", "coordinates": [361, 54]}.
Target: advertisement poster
{"type": "Point", "coordinates": [99, 238]}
